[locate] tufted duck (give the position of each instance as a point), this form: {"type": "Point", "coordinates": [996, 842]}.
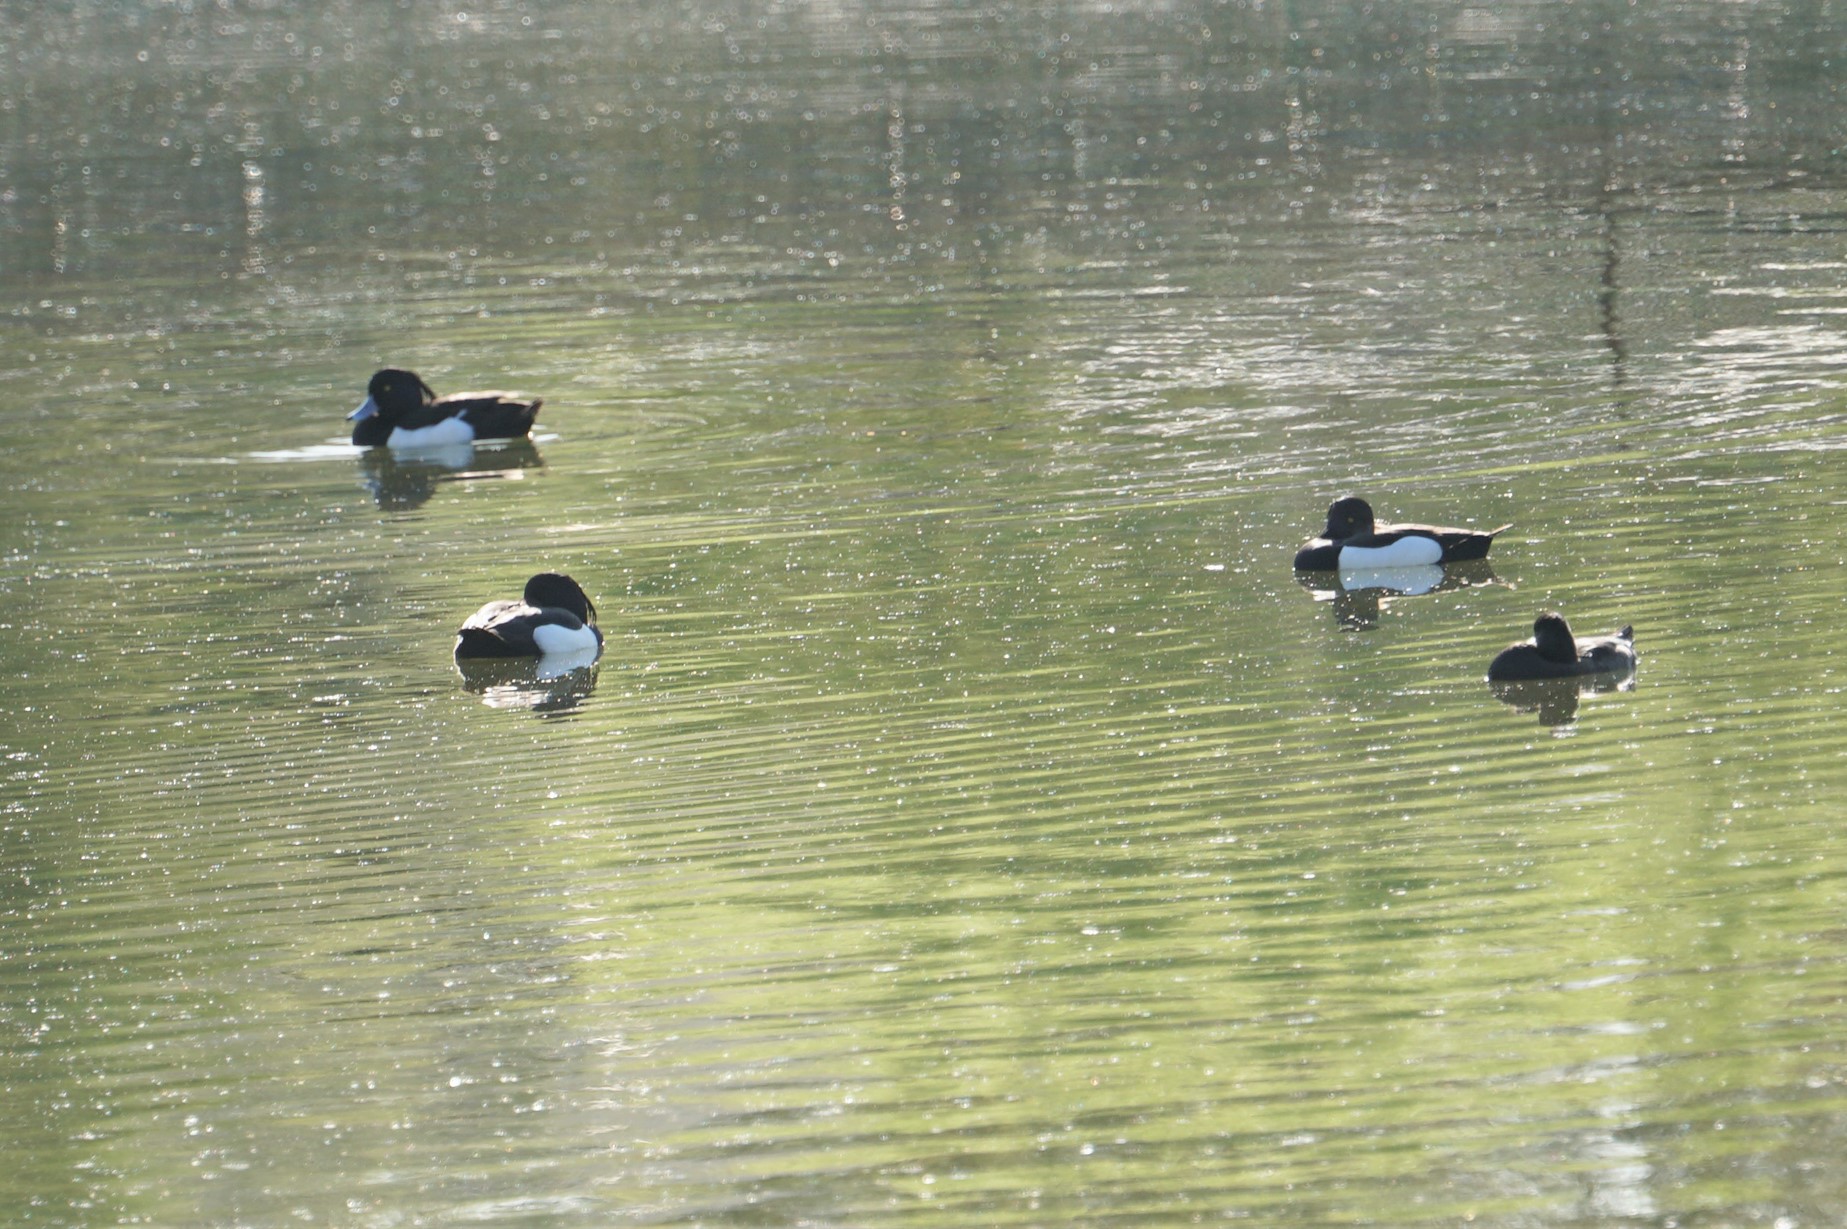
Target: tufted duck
{"type": "Point", "coordinates": [553, 616]}
{"type": "Point", "coordinates": [1554, 652]}
{"type": "Point", "coordinates": [401, 411]}
{"type": "Point", "coordinates": [1353, 540]}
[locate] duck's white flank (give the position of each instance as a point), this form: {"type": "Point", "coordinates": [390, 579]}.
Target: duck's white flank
{"type": "Point", "coordinates": [1412, 550]}
{"type": "Point", "coordinates": [448, 432]}
{"type": "Point", "coordinates": [555, 638]}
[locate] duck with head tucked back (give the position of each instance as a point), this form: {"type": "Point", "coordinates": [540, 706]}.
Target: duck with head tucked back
{"type": "Point", "coordinates": [1554, 653]}
{"type": "Point", "coordinates": [1353, 539]}
{"type": "Point", "coordinates": [401, 411]}
{"type": "Point", "coordinates": [553, 616]}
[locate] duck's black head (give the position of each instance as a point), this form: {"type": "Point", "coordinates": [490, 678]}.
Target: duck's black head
{"type": "Point", "coordinates": [1348, 518]}
{"type": "Point", "coordinates": [557, 589]}
{"type": "Point", "coordinates": [390, 396]}
{"type": "Point", "coordinates": [398, 392]}
{"type": "Point", "coordinates": [1552, 637]}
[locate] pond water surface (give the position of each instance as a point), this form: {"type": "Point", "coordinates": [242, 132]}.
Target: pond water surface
{"type": "Point", "coordinates": [972, 818]}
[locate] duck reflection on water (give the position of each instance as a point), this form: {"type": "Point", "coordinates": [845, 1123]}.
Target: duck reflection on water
{"type": "Point", "coordinates": [1360, 596]}
{"type": "Point", "coordinates": [553, 685]}
{"type": "Point", "coordinates": [401, 479]}
{"type": "Point", "coordinates": [1555, 701]}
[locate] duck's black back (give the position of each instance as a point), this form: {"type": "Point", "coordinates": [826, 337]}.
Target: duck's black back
{"type": "Point", "coordinates": [494, 416]}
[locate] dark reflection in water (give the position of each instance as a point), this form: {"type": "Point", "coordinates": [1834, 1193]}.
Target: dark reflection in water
{"type": "Point", "coordinates": [1359, 597]}
{"type": "Point", "coordinates": [551, 686]}
{"type": "Point", "coordinates": [401, 479]}
{"type": "Point", "coordinates": [1555, 701]}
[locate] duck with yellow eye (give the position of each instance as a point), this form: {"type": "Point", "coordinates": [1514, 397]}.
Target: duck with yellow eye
{"type": "Point", "coordinates": [401, 411]}
{"type": "Point", "coordinates": [1354, 540]}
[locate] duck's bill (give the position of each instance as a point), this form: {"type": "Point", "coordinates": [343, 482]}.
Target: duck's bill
{"type": "Point", "coordinates": [367, 409]}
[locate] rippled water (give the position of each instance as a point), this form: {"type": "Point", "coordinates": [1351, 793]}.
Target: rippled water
{"type": "Point", "coordinates": [972, 818]}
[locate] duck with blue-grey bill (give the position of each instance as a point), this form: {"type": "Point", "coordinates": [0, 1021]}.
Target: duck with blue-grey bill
{"type": "Point", "coordinates": [1353, 539]}
{"type": "Point", "coordinates": [401, 411]}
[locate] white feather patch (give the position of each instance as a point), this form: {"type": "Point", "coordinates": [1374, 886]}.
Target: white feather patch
{"type": "Point", "coordinates": [448, 432]}
{"type": "Point", "coordinates": [556, 638]}
{"type": "Point", "coordinates": [1413, 550]}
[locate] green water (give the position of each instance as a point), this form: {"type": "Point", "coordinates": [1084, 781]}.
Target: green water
{"type": "Point", "coordinates": [972, 819]}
